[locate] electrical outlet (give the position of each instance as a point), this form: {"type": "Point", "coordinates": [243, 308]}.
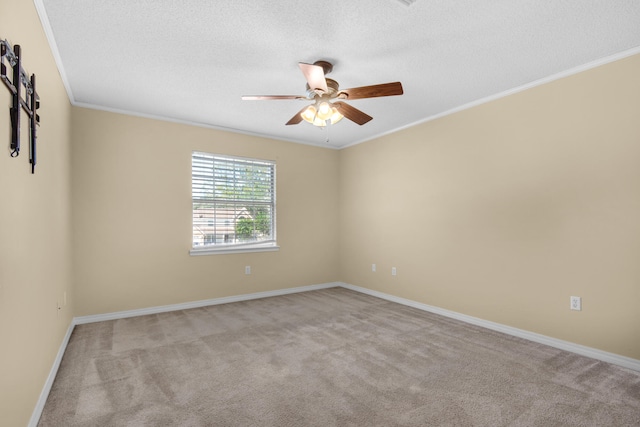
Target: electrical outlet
{"type": "Point", "coordinates": [394, 271]}
{"type": "Point", "coordinates": [373, 268]}
{"type": "Point", "coordinates": [576, 303]}
{"type": "Point", "coordinates": [247, 269]}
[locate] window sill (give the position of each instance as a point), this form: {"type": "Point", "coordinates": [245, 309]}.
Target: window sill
{"type": "Point", "coordinates": [271, 247]}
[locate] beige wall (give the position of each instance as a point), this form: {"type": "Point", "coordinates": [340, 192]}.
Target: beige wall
{"type": "Point", "coordinates": [35, 252]}
{"type": "Point", "coordinates": [132, 215]}
{"type": "Point", "coordinates": [505, 210]}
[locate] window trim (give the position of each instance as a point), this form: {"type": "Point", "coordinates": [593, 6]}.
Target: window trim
{"type": "Point", "coordinates": [236, 249]}
{"type": "Point", "coordinates": [264, 246]}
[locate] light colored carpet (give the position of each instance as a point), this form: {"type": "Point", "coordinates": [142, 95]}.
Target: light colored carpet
{"type": "Point", "coordinates": [332, 357]}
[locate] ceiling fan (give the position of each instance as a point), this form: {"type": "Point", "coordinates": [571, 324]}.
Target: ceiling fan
{"type": "Point", "coordinates": [328, 106]}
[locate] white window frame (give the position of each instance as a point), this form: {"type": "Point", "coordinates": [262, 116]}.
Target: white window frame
{"type": "Point", "coordinates": [234, 247]}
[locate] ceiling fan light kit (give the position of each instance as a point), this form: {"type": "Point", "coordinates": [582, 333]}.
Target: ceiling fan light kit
{"type": "Point", "coordinates": [327, 108]}
{"type": "Point", "coordinates": [321, 113]}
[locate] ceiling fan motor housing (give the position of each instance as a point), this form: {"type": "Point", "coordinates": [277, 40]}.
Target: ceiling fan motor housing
{"type": "Point", "coordinates": [332, 85]}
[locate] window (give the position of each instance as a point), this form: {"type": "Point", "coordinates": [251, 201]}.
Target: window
{"type": "Point", "coordinates": [234, 204]}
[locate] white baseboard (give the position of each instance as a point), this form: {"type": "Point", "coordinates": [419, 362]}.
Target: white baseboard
{"type": "Point", "coordinates": [197, 304]}
{"type": "Point", "coordinates": [582, 350]}
{"type": "Point", "coordinates": [37, 411]}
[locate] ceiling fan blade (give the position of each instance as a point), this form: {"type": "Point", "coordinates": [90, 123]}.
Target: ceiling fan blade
{"type": "Point", "coordinates": [297, 118]}
{"type": "Point", "coordinates": [352, 113]}
{"type": "Point", "coordinates": [385, 89]}
{"type": "Point", "coordinates": [315, 76]}
{"type": "Point", "coordinates": [270, 97]}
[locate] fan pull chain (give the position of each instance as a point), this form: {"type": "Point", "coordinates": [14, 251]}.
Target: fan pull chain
{"type": "Point", "coordinates": [326, 129]}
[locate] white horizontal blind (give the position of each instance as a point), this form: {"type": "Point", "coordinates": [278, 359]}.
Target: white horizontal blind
{"type": "Point", "coordinates": [233, 200]}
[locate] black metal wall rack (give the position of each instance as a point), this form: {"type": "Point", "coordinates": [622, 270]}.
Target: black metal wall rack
{"type": "Point", "coordinates": [24, 96]}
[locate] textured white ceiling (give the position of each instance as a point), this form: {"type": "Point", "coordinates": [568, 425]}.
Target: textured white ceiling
{"type": "Point", "coordinates": [192, 60]}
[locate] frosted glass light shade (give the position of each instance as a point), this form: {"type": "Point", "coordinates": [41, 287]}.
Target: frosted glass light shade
{"type": "Point", "coordinates": [309, 114]}
{"type": "Point", "coordinates": [335, 116]}
{"type": "Point", "coordinates": [324, 110]}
